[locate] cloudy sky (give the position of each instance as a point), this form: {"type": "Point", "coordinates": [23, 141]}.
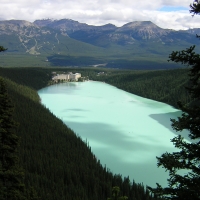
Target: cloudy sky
{"type": "Point", "coordinates": [172, 14]}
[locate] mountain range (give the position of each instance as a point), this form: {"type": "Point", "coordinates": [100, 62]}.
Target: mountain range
{"type": "Point", "coordinates": [65, 42]}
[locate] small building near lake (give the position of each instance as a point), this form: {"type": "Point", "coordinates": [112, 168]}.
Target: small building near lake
{"type": "Point", "coordinates": [67, 77]}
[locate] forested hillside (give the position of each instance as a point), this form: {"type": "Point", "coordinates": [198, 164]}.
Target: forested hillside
{"type": "Point", "coordinates": [166, 86]}
{"type": "Point", "coordinates": [57, 163]}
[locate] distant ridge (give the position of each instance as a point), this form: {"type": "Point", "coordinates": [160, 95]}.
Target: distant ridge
{"type": "Point", "coordinates": [67, 42]}
{"type": "Point", "coordinates": [69, 25]}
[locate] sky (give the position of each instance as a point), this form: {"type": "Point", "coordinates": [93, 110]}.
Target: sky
{"type": "Point", "coordinates": [169, 14]}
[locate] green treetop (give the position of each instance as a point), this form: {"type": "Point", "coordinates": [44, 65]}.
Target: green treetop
{"type": "Point", "coordinates": [2, 49]}
{"type": "Point", "coordinates": [116, 194]}
{"type": "Point", "coordinates": [11, 176]}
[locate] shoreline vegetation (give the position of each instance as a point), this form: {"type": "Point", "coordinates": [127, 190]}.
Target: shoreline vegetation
{"type": "Point", "coordinates": [56, 162]}
{"type": "Point", "coordinates": [166, 86]}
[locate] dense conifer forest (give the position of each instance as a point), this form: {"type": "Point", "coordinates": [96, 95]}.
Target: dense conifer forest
{"type": "Point", "coordinates": [56, 162]}
{"type": "Point", "coordinates": [167, 86]}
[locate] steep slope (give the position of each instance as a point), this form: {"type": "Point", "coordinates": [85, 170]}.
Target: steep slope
{"type": "Point", "coordinates": [143, 30]}
{"type": "Point", "coordinates": [57, 163]}
{"type": "Point", "coordinates": [20, 36]}
{"type": "Point", "coordinates": [79, 31]}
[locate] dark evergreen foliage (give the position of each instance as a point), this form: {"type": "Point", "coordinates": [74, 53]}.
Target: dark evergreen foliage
{"type": "Point", "coordinates": [195, 7]}
{"type": "Point", "coordinates": [2, 49]}
{"type": "Point", "coordinates": [11, 175]}
{"type": "Point", "coordinates": [164, 85]}
{"type": "Point", "coordinates": [184, 165]}
{"type": "Point", "coordinates": [187, 186]}
{"type": "Point", "coordinates": [116, 194]}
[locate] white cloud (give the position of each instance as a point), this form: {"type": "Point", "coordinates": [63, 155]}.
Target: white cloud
{"type": "Point", "coordinates": [98, 12]}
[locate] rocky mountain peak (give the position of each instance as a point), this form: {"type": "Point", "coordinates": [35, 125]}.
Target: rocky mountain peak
{"type": "Point", "coordinates": [62, 24]}
{"type": "Point", "coordinates": [17, 23]}
{"type": "Point", "coordinates": [140, 25]}
{"type": "Point", "coordinates": [108, 27]}
{"type": "Point", "coordinates": [43, 22]}
{"type": "Point", "coordinates": [143, 29]}
{"type": "Point", "coordinates": [137, 24]}
{"type": "Point", "coordinates": [20, 26]}
{"type": "Point", "coordinates": [70, 26]}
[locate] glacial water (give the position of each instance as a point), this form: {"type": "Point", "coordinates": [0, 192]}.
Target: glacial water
{"type": "Point", "coordinates": [126, 132]}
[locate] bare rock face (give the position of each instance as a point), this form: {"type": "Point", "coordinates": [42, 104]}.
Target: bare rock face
{"type": "Point", "coordinates": [43, 22]}
{"type": "Point", "coordinates": [63, 24]}
{"type": "Point", "coordinates": [17, 23]}
{"type": "Point", "coordinates": [143, 30]}
{"type": "Point", "coordinates": [19, 27]}
{"type": "Point", "coordinates": [25, 37]}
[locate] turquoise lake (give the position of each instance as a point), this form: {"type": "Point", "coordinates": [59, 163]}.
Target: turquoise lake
{"type": "Point", "coordinates": [126, 132]}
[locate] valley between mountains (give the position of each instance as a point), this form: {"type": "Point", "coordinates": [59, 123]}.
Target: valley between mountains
{"type": "Point", "coordinates": [65, 42]}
